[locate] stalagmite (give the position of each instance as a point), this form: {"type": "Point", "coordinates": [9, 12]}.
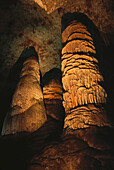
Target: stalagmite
{"type": "Point", "coordinates": [81, 77]}
{"type": "Point", "coordinates": [27, 111]}
{"type": "Point", "coordinates": [52, 92]}
{"type": "Point", "coordinates": [87, 140]}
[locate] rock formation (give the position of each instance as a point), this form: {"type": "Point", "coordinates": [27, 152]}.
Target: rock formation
{"type": "Point", "coordinates": [41, 134]}
{"type": "Point", "coordinates": [86, 139]}
{"type": "Point", "coordinates": [27, 111]}
{"type": "Point", "coordinates": [81, 79]}
{"type": "Point", "coordinates": [26, 145]}
{"type": "Point", "coordinates": [50, 6]}
{"type": "Point", "coordinates": [52, 92]}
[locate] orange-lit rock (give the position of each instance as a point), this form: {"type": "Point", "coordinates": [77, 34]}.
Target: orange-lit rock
{"type": "Point", "coordinates": [81, 79]}
{"type": "Point", "coordinates": [50, 5]}
{"type": "Point", "coordinates": [40, 3]}
{"type": "Point", "coordinates": [83, 149]}
{"type": "Point", "coordinates": [52, 92]}
{"type": "Point", "coordinates": [27, 111]}
{"type": "Point", "coordinates": [86, 141]}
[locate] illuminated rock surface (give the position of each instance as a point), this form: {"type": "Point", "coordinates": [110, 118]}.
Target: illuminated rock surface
{"type": "Point", "coordinates": [52, 92]}
{"type": "Point", "coordinates": [81, 80]}
{"type": "Point", "coordinates": [86, 141]}
{"type": "Point", "coordinates": [27, 111]}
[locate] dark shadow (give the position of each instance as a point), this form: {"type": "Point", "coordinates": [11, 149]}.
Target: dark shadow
{"type": "Point", "coordinates": [17, 150]}
{"type": "Point", "coordinates": [103, 54]}
{"type": "Point", "coordinates": [7, 3]}
{"type": "Point", "coordinates": [12, 80]}
{"type": "Point", "coordinates": [52, 74]}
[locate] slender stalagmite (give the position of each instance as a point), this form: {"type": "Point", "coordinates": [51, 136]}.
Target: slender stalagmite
{"type": "Point", "coordinates": [52, 92]}
{"type": "Point", "coordinates": [81, 78]}
{"type": "Point", "coordinates": [27, 111]}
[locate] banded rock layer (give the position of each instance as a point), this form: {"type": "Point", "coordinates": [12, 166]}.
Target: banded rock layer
{"type": "Point", "coordinates": [52, 93]}
{"type": "Point", "coordinates": [81, 79]}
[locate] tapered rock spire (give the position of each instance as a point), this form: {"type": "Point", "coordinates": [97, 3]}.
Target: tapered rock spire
{"type": "Point", "coordinates": [27, 111]}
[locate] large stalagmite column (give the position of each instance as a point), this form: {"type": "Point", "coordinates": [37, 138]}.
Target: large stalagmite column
{"type": "Point", "coordinates": [27, 111]}
{"type": "Point", "coordinates": [83, 94]}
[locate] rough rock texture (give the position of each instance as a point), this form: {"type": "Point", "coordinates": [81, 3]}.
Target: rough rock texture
{"type": "Point", "coordinates": [86, 140]}
{"type": "Point", "coordinates": [24, 23]}
{"type": "Point", "coordinates": [52, 93]}
{"type": "Point", "coordinates": [85, 149]}
{"type": "Point", "coordinates": [33, 143]}
{"type": "Point", "coordinates": [81, 78]}
{"type": "Point", "coordinates": [27, 111]}
{"type": "Point", "coordinates": [50, 5]}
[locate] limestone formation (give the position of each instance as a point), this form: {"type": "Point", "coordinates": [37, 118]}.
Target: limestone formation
{"type": "Point", "coordinates": [84, 149]}
{"type": "Point", "coordinates": [50, 5]}
{"type": "Point", "coordinates": [52, 92]}
{"type": "Point", "coordinates": [27, 111]}
{"type": "Point", "coordinates": [87, 141]}
{"type": "Point", "coordinates": [81, 79]}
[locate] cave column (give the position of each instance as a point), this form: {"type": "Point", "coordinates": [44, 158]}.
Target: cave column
{"type": "Point", "coordinates": [83, 96]}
